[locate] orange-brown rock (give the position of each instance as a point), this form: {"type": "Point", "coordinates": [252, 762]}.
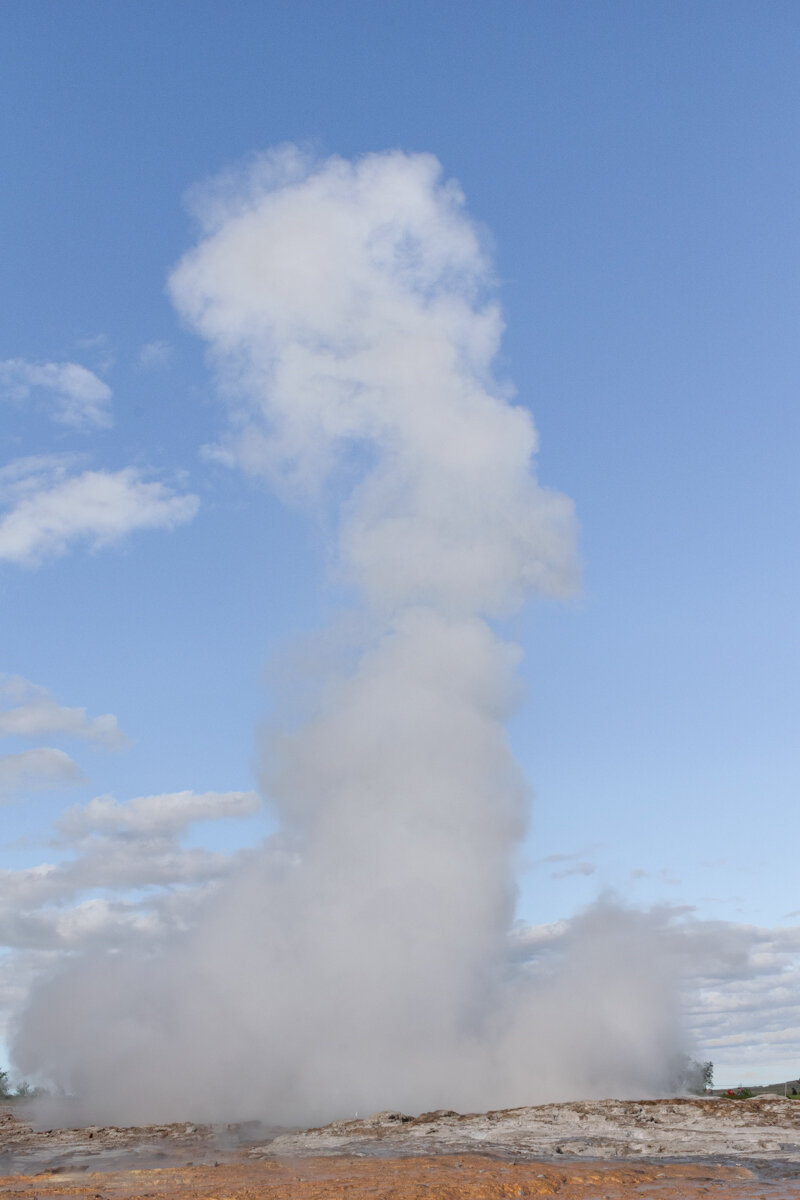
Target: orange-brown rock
{"type": "Point", "coordinates": [447, 1177]}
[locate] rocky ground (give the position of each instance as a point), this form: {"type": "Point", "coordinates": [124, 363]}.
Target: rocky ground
{"type": "Point", "coordinates": [662, 1150]}
{"type": "Point", "coordinates": [761, 1129]}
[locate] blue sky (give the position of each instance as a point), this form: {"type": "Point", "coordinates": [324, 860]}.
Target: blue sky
{"type": "Point", "coordinates": [635, 168]}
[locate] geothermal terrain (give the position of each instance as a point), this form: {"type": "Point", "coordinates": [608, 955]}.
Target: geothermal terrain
{"type": "Point", "coordinates": [709, 1147]}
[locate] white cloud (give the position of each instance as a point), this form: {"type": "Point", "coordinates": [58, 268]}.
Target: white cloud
{"type": "Point", "coordinates": [27, 710]}
{"type": "Point", "coordinates": [75, 395]}
{"type": "Point", "coordinates": [35, 770]}
{"type": "Point", "coordinates": [116, 866]}
{"type": "Point", "coordinates": [118, 848]}
{"type": "Point", "coordinates": [96, 507]}
{"type": "Point", "coordinates": [164, 814]}
{"type": "Point", "coordinates": [115, 848]}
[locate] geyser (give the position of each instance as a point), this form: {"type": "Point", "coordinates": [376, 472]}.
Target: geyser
{"type": "Point", "coordinates": [360, 960]}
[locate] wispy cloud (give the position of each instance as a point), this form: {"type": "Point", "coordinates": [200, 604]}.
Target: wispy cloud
{"type": "Point", "coordinates": [74, 395]}
{"type": "Point", "coordinates": [578, 868]}
{"type": "Point", "coordinates": [576, 863]}
{"type": "Point", "coordinates": [30, 711]}
{"type": "Point", "coordinates": [155, 356]}
{"type": "Point", "coordinates": [663, 875]}
{"type": "Point", "coordinates": [33, 472]}
{"type": "Point", "coordinates": [98, 348]}
{"type": "Point", "coordinates": [96, 508]}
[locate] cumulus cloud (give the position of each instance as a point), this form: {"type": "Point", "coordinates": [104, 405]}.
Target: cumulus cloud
{"type": "Point", "coordinates": [74, 395]}
{"type": "Point", "coordinates": [35, 770]}
{"type": "Point", "coordinates": [96, 508]}
{"type": "Point", "coordinates": [30, 711]}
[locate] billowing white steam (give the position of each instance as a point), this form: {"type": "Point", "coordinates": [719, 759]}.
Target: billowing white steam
{"type": "Point", "coordinates": [361, 960]}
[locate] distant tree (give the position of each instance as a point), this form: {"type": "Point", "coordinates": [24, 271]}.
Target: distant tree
{"type": "Point", "coordinates": [692, 1076]}
{"type": "Point", "coordinates": [5, 1089]}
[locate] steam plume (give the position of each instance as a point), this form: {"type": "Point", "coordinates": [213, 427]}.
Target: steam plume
{"type": "Point", "coordinates": [360, 959]}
